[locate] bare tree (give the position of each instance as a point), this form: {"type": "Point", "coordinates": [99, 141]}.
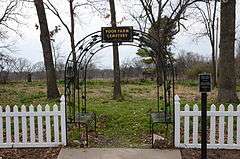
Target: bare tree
{"type": "Point", "coordinates": [139, 17]}
{"type": "Point", "coordinates": [10, 16]}
{"type": "Point", "coordinates": [132, 68]}
{"type": "Point", "coordinates": [73, 6]}
{"type": "Point", "coordinates": [10, 19]}
{"type": "Point", "coordinates": [117, 93]}
{"type": "Point", "coordinates": [6, 66]}
{"type": "Point", "coordinates": [165, 17]}
{"type": "Point", "coordinates": [38, 67]}
{"type": "Point", "coordinates": [70, 29]}
{"type": "Point", "coordinates": [52, 90]}
{"type": "Point", "coordinates": [126, 69]}
{"type": "Point", "coordinates": [22, 67]}
{"type": "Point", "coordinates": [227, 75]}
{"type": "Point", "coordinates": [208, 16]}
{"type": "Point", "coordinates": [38, 71]}
{"type": "Point", "coordinates": [190, 64]}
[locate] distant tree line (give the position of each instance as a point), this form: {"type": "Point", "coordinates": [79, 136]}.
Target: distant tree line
{"type": "Point", "coordinates": [162, 19]}
{"type": "Point", "coordinates": [187, 64]}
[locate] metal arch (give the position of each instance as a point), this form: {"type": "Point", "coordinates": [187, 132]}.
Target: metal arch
{"type": "Point", "coordinates": [88, 61]}
{"type": "Point", "coordinates": [85, 45]}
{"type": "Point", "coordinates": [167, 95]}
{"type": "Point", "coordinates": [137, 33]}
{"type": "Point", "coordinates": [88, 47]}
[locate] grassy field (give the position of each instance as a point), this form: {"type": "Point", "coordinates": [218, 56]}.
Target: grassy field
{"type": "Point", "coordinates": [123, 123]}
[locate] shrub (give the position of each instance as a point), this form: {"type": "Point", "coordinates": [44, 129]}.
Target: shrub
{"type": "Point", "coordinates": [195, 70]}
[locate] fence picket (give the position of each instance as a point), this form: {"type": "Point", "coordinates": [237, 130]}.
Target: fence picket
{"type": "Point", "coordinates": [221, 125]}
{"type": "Point", "coordinates": [238, 125]}
{"type": "Point", "coordinates": [225, 140]}
{"type": "Point", "coordinates": [1, 126]}
{"type": "Point", "coordinates": [32, 124]}
{"type": "Point", "coordinates": [56, 127]}
{"type": "Point", "coordinates": [8, 125]}
{"type": "Point", "coordinates": [40, 127]}
{"type": "Point", "coordinates": [16, 124]}
{"type": "Point", "coordinates": [195, 125]}
{"type": "Point", "coordinates": [63, 122]}
{"type": "Point", "coordinates": [186, 125]}
{"type": "Point", "coordinates": [230, 125]}
{"type": "Point", "coordinates": [48, 126]}
{"type": "Point", "coordinates": [24, 124]}
{"type": "Point", "coordinates": [24, 135]}
{"type": "Point", "coordinates": [213, 125]}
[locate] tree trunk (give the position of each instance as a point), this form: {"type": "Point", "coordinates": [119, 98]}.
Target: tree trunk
{"type": "Point", "coordinates": [214, 69]}
{"type": "Point", "coordinates": [117, 94]}
{"type": "Point", "coordinates": [72, 29]}
{"type": "Point", "coordinates": [214, 49]}
{"type": "Point", "coordinates": [52, 90]}
{"type": "Point", "coordinates": [72, 39]}
{"type": "Point", "coordinates": [227, 76]}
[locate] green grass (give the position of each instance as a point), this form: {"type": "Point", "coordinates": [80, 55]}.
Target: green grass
{"type": "Point", "coordinates": [189, 83]}
{"type": "Point", "coordinates": [125, 121]}
{"type": "Point", "coordinates": [23, 93]}
{"type": "Point", "coordinates": [120, 123]}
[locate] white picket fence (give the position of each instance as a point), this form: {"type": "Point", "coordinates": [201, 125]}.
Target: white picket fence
{"type": "Point", "coordinates": [224, 127]}
{"type": "Point", "coordinates": [41, 127]}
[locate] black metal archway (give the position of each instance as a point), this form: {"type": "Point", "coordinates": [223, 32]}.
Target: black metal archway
{"type": "Point", "coordinates": [76, 71]}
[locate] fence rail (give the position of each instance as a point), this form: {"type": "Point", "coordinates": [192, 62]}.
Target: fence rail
{"type": "Point", "coordinates": [223, 126]}
{"type": "Point", "coordinates": [30, 127]}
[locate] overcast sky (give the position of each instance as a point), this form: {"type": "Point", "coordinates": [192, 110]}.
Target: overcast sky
{"type": "Point", "coordinates": [29, 45]}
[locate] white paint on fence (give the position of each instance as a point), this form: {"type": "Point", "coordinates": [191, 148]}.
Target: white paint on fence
{"type": "Point", "coordinates": [16, 124]}
{"type": "Point", "coordinates": [238, 126]}
{"type": "Point", "coordinates": [24, 124]}
{"type": "Point", "coordinates": [63, 121]}
{"type": "Point", "coordinates": [56, 128]}
{"type": "Point", "coordinates": [177, 121]}
{"type": "Point", "coordinates": [33, 128]}
{"type": "Point", "coordinates": [32, 125]}
{"type": "Point", "coordinates": [186, 126]}
{"type": "Point", "coordinates": [212, 125]}
{"type": "Point", "coordinates": [40, 125]}
{"type": "Point", "coordinates": [1, 126]}
{"type": "Point", "coordinates": [228, 136]}
{"type": "Point", "coordinates": [195, 125]}
{"type": "Point", "coordinates": [230, 125]}
{"type": "Point", "coordinates": [8, 125]}
{"type": "Point", "coordinates": [221, 125]}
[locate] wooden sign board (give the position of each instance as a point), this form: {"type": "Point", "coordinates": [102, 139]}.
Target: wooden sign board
{"type": "Point", "coordinates": [205, 83]}
{"type": "Point", "coordinates": [117, 34]}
